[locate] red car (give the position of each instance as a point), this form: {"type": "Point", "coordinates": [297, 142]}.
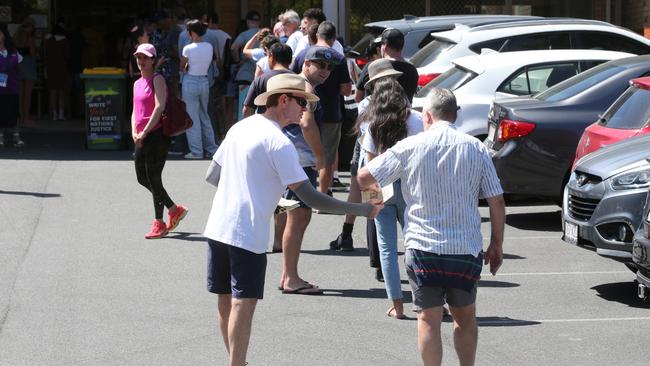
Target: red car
{"type": "Point", "coordinates": [628, 116]}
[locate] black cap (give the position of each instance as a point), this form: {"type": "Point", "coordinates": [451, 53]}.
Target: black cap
{"type": "Point", "coordinates": [253, 15]}
{"type": "Point", "coordinates": [393, 38]}
{"type": "Point", "coordinates": [319, 53]}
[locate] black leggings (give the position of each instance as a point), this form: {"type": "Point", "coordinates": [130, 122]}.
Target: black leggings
{"type": "Point", "coordinates": [149, 163]}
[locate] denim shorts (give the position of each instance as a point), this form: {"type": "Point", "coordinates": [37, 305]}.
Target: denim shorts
{"type": "Point", "coordinates": [236, 271]}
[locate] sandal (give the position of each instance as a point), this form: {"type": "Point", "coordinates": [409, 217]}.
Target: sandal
{"type": "Point", "coordinates": [392, 313]}
{"type": "Point", "coordinates": [17, 141]}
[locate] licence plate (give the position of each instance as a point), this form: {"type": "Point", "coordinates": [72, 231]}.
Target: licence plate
{"type": "Point", "coordinates": [570, 233]}
{"type": "Point", "coordinates": [492, 132]}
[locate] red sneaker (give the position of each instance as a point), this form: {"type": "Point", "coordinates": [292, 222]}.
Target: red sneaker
{"type": "Point", "coordinates": [158, 230]}
{"type": "Point", "coordinates": [176, 217]}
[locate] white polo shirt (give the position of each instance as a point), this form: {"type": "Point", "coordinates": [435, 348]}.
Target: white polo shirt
{"type": "Point", "coordinates": [257, 163]}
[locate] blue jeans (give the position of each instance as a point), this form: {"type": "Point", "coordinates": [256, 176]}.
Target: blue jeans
{"type": "Point", "coordinates": [196, 95]}
{"type": "Point", "coordinates": [386, 222]}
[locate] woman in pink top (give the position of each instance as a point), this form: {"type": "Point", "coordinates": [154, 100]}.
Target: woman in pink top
{"type": "Point", "coordinates": [149, 96]}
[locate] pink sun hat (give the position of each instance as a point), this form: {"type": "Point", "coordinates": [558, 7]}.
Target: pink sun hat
{"type": "Point", "coordinates": [146, 49]}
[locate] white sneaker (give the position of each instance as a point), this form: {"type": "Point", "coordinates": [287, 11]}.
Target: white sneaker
{"type": "Point", "coordinates": [191, 156]}
{"type": "Point", "coordinates": [286, 205]}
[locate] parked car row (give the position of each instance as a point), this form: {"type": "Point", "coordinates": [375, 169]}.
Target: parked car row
{"type": "Point", "coordinates": [561, 105]}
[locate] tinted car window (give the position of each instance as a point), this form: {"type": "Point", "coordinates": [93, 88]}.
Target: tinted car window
{"type": "Point", "coordinates": [579, 83]}
{"type": "Point", "coordinates": [451, 79]}
{"type": "Point", "coordinates": [609, 42]}
{"type": "Point", "coordinates": [543, 41]}
{"type": "Point", "coordinates": [493, 45]}
{"type": "Point", "coordinates": [429, 53]}
{"type": "Point", "coordinates": [412, 42]}
{"type": "Point", "coordinates": [534, 79]}
{"type": "Point", "coordinates": [631, 111]}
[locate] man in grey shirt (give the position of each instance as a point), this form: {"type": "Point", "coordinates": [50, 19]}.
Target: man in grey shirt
{"type": "Point", "coordinates": [444, 173]}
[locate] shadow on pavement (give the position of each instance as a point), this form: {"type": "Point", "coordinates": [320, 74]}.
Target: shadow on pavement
{"type": "Point", "coordinates": [498, 321]}
{"type": "Point", "coordinates": [35, 194]}
{"type": "Point", "coordinates": [512, 256]}
{"type": "Point", "coordinates": [621, 292]}
{"type": "Point", "coordinates": [179, 235]}
{"type": "Point", "coordinates": [357, 252]}
{"type": "Point", "coordinates": [373, 293]}
{"type": "Point", "coordinates": [498, 284]}
{"type": "Point", "coordinates": [538, 221]}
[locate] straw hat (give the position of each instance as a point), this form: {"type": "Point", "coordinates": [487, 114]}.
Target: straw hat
{"type": "Point", "coordinates": [379, 69]}
{"type": "Point", "coordinates": [285, 84]}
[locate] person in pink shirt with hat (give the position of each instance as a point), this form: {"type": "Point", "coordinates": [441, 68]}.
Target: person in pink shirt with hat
{"type": "Point", "coordinates": [151, 145]}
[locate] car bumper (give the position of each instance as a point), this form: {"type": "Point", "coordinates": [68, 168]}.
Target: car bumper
{"type": "Point", "coordinates": [610, 229]}
{"type": "Point", "coordinates": [640, 251]}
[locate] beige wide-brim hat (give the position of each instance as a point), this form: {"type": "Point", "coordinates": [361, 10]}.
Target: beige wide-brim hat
{"type": "Point", "coordinates": [379, 69]}
{"type": "Point", "coordinates": [285, 84]}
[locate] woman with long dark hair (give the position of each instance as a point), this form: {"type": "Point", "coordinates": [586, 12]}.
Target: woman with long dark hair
{"type": "Point", "coordinates": [390, 120]}
{"type": "Point", "coordinates": [9, 87]}
{"type": "Point", "coordinates": [149, 96]}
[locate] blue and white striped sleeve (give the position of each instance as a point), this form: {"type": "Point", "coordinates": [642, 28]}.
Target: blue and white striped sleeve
{"type": "Point", "coordinates": [386, 168]}
{"type": "Point", "coordinates": [490, 184]}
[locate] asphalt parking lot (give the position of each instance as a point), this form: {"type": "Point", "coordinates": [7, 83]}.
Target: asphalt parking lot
{"type": "Point", "coordinates": [80, 285]}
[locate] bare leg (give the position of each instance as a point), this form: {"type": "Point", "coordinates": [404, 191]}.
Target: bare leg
{"type": "Point", "coordinates": [239, 329]}
{"type": "Point", "coordinates": [325, 178]}
{"type": "Point", "coordinates": [280, 222]}
{"type": "Point", "coordinates": [297, 221]}
{"type": "Point", "coordinates": [224, 305]}
{"type": "Point", "coordinates": [354, 196]}
{"type": "Point", "coordinates": [465, 333]}
{"type": "Point", "coordinates": [429, 340]}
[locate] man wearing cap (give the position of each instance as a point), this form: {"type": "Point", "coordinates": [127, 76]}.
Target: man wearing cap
{"type": "Point", "coordinates": [251, 169]}
{"type": "Point", "coordinates": [329, 115]}
{"type": "Point", "coordinates": [392, 43]}
{"type": "Point", "coordinates": [443, 174]}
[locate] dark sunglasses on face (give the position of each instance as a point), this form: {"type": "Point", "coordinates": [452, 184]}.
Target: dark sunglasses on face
{"type": "Point", "coordinates": [324, 65]}
{"type": "Point", "coordinates": [301, 101]}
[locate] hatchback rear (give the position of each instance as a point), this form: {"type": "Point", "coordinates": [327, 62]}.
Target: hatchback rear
{"type": "Point", "coordinates": [629, 116]}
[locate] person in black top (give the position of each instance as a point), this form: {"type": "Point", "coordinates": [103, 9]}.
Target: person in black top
{"type": "Point", "coordinates": [279, 60]}
{"type": "Point", "coordinates": [392, 43]}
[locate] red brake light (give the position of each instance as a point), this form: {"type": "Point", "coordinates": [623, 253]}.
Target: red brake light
{"type": "Point", "coordinates": [426, 78]}
{"type": "Point", "coordinates": [361, 61]}
{"type": "Point", "coordinates": [509, 130]}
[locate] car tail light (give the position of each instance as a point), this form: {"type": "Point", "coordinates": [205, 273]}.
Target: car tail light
{"type": "Point", "coordinates": [424, 79]}
{"type": "Point", "coordinates": [511, 129]}
{"type": "Point", "coordinates": [361, 61]}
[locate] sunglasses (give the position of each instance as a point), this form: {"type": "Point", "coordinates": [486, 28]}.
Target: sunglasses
{"type": "Point", "coordinates": [300, 100]}
{"type": "Point", "coordinates": [324, 65]}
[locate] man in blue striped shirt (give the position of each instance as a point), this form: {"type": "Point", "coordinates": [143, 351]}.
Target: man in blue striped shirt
{"type": "Point", "coordinates": [444, 173]}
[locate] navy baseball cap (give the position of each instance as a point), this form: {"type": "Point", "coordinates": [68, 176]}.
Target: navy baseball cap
{"type": "Point", "coordinates": [320, 53]}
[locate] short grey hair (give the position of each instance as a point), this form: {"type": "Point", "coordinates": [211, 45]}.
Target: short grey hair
{"type": "Point", "coordinates": [440, 102]}
{"type": "Point", "coordinates": [289, 16]}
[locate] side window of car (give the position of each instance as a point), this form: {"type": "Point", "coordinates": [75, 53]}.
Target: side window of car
{"type": "Point", "coordinates": [534, 79]}
{"type": "Point", "coordinates": [609, 42]}
{"type": "Point", "coordinates": [414, 41]}
{"type": "Point", "coordinates": [586, 65]}
{"type": "Point", "coordinates": [495, 44]}
{"type": "Point", "coordinates": [539, 41]}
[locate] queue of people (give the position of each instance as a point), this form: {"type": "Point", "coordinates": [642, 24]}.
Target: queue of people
{"type": "Point", "coordinates": [285, 148]}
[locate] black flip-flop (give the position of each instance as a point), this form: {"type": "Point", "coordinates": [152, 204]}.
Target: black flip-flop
{"type": "Point", "coordinates": [301, 290]}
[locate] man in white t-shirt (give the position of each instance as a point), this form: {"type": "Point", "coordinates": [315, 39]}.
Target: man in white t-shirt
{"type": "Point", "coordinates": [251, 169]}
{"type": "Point", "coordinates": [291, 24]}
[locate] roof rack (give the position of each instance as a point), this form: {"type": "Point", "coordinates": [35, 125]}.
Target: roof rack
{"type": "Point", "coordinates": [538, 22]}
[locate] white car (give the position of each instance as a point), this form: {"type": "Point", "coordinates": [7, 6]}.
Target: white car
{"type": "Point", "coordinates": [478, 80]}
{"type": "Point", "coordinates": [556, 33]}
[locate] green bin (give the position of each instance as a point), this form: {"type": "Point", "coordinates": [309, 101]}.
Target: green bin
{"type": "Point", "coordinates": [106, 122]}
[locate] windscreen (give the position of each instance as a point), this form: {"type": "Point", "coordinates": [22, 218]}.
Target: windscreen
{"type": "Point", "coordinates": [631, 112]}
{"type": "Point", "coordinates": [579, 83]}
{"type": "Point", "coordinates": [452, 79]}
{"type": "Point", "coordinates": [429, 53]}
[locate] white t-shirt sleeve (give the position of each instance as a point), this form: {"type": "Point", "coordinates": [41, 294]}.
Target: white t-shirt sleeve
{"type": "Point", "coordinates": [368, 143]}
{"type": "Point", "coordinates": [285, 161]}
{"type": "Point", "coordinates": [414, 123]}
{"type": "Point", "coordinates": [302, 44]}
{"type": "Point", "coordinates": [258, 53]}
{"type": "Point", "coordinates": [263, 64]}
{"type": "Point", "coordinates": [293, 40]}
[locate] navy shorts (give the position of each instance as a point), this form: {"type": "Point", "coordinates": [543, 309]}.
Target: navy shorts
{"type": "Point", "coordinates": [312, 174]}
{"type": "Point", "coordinates": [236, 271]}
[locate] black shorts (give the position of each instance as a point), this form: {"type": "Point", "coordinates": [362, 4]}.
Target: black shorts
{"type": "Point", "coordinates": [312, 174]}
{"type": "Point", "coordinates": [236, 271]}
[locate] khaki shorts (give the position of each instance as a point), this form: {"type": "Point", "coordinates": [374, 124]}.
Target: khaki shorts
{"type": "Point", "coordinates": [330, 136]}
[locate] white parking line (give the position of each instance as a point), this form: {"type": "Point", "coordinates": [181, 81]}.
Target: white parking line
{"type": "Point", "coordinates": [561, 273]}
{"type": "Point", "coordinates": [528, 322]}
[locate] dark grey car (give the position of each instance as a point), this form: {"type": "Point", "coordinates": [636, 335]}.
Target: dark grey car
{"type": "Point", "coordinates": [533, 140]}
{"type": "Point", "coordinates": [603, 200]}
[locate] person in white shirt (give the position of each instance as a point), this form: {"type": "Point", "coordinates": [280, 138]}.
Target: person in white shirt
{"type": "Point", "coordinates": [310, 17]}
{"type": "Point", "coordinates": [252, 168]}
{"type": "Point", "coordinates": [291, 24]}
{"type": "Point", "coordinates": [195, 62]}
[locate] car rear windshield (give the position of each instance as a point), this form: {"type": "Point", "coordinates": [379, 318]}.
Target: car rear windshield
{"type": "Point", "coordinates": [429, 53]}
{"type": "Point", "coordinates": [579, 83]}
{"type": "Point", "coordinates": [451, 79]}
{"type": "Point", "coordinates": [630, 111]}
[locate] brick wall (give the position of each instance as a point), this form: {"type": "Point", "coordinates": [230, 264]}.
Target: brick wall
{"type": "Point", "coordinates": [635, 14]}
{"type": "Point", "coordinates": [230, 13]}
{"type": "Point", "coordinates": [598, 11]}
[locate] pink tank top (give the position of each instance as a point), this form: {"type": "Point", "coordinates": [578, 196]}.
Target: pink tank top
{"type": "Point", "coordinates": [144, 102]}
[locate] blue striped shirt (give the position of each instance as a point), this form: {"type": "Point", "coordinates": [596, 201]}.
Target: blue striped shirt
{"type": "Point", "coordinates": [444, 172]}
